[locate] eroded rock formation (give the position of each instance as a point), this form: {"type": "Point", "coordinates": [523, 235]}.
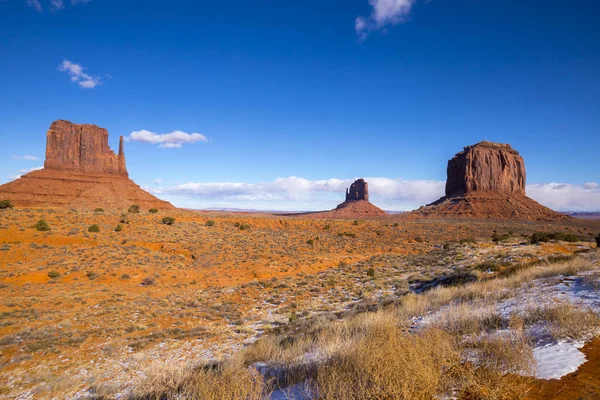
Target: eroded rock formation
{"type": "Point", "coordinates": [487, 180]}
{"type": "Point", "coordinates": [487, 167]}
{"type": "Point", "coordinates": [82, 148]}
{"type": "Point", "coordinates": [80, 171]}
{"type": "Point", "coordinates": [359, 190]}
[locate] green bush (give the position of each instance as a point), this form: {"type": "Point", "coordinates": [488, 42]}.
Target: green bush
{"type": "Point", "coordinates": [168, 220]}
{"type": "Point", "coordinates": [42, 225]}
{"type": "Point", "coordinates": [125, 277]}
{"type": "Point", "coordinates": [355, 222]}
{"type": "Point", "coordinates": [597, 240]}
{"type": "Point", "coordinates": [542, 237]}
{"type": "Point", "coordinates": [371, 272]}
{"type": "Point", "coordinates": [99, 210]}
{"type": "Point", "coordinates": [53, 274]}
{"type": "Point", "coordinates": [94, 228]}
{"type": "Point", "coordinates": [4, 204]}
{"type": "Point", "coordinates": [134, 208]}
{"type": "Point", "coordinates": [153, 210]}
{"type": "Point", "coordinates": [119, 228]}
{"type": "Point", "coordinates": [242, 227]}
{"type": "Point", "coordinates": [418, 239]}
{"type": "Point", "coordinates": [310, 242]}
{"type": "Point", "coordinates": [210, 222]}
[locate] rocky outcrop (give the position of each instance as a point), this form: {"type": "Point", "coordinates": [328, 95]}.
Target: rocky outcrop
{"type": "Point", "coordinates": [82, 148]}
{"type": "Point", "coordinates": [486, 167]}
{"type": "Point", "coordinates": [80, 171]}
{"type": "Point", "coordinates": [487, 180]}
{"type": "Point", "coordinates": [359, 190]}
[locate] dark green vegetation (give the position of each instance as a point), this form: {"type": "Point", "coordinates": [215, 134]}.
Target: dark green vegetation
{"type": "Point", "coordinates": [134, 208]}
{"type": "Point", "coordinates": [42, 225]}
{"type": "Point", "coordinates": [542, 237]}
{"type": "Point", "coordinates": [94, 228]}
{"type": "Point", "coordinates": [4, 204]}
{"type": "Point", "coordinates": [168, 220]}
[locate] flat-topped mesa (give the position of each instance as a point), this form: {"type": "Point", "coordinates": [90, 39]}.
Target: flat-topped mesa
{"type": "Point", "coordinates": [84, 148]}
{"type": "Point", "coordinates": [486, 167]}
{"type": "Point", "coordinates": [359, 190]}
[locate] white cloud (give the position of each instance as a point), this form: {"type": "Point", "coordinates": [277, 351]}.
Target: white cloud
{"type": "Point", "coordinates": [28, 158]}
{"type": "Point", "coordinates": [157, 181]}
{"type": "Point", "coordinates": [566, 197]}
{"type": "Point", "coordinates": [56, 5]}
{"type": "Point", "coordinates": [25, 171]}
{"type": "Point", "coordinates": [77, 75]}
{"type": "Point", "coordinates": [385, 12]}
{"type": "Point", "coordinates": [175, 139]}
{"type": "Point", "coordinates": [591, 185]}
{"type": "Point", "coordinates": [35, 4]}
{"type": "Point", "coordinates": [299, 194]}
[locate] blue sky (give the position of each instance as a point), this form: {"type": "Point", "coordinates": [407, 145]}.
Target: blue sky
{"type": "Point", "coordinates": [294, 99]}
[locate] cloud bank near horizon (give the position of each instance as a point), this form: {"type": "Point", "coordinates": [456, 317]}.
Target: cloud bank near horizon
{"type": "Point", "coordinates": [300, 194]}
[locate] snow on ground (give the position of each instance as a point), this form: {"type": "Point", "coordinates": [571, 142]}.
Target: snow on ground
{"type": "Point", "coordinates": [557, 360]}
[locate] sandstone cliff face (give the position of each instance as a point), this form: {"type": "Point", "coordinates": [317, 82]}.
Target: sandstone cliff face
{"type": "Point", "coordinates": [82, 148]}
{"type": "Point", "coordinates": [80, 172]}
{"type": "Point", "coordinates": [359, 190]}
{"type": "Point", "coordinates": [487, 180]}
{"type": "Point", "coordinates": [486, 167]}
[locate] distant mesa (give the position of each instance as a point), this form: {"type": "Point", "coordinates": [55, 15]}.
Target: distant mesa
{"type": "Point", "coordinates": [487, 180]}
{"type": "Point", "coordinates": [80, 171]}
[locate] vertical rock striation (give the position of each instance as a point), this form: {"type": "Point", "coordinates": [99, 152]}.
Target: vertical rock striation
{"type": "Point", "coordinates": [82, 148]}
{"type": "Point", "coordinates": [487, 167]}
{"type": "Point", "coordinates": [487, 180]}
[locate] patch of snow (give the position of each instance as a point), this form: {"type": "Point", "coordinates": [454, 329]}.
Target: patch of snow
{"type": "Point", "coordinates": [559, 359]}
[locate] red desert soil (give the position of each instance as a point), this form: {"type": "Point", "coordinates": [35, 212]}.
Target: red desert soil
{"type": "Point", "coordinates": [583, 384]}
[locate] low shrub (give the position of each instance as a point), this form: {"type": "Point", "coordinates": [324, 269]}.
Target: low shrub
{"type": "Point", "coordinates": [148, 281]}
{"type": "Point", "coordinates": [53, 274]}
{"type": "Point", "coordinates": [94, 228]}
{"type": "Point", "coordinates": [371, 272]}
{"type": "Point", "coordinates": [153, 210]}
{"type": "Point", "coordinates": [119, 228]}
{"type": "Point", "coordinates": [4, 204]}
{"type": "Point", "coordinates": [91, 275]}
{"type": "Point", "coordinates": [597, 240]}
{"type": "Point", "coordinates": [496, 238]}
{"type": "Point", "coordinates": [42, 225]}
{"type": "Point", "coordinates": [242, 226]}
{"type": "Point", "coordinates": [124, 219]}
{"type": "Point", "coordinates": [310, 242]}
{"type": "Point", "coordinates": [542, 237]}
{"type": "Point", "coordinates": [134, 208]}
{"type": "Point", "coordinates": [99, 210]}
{"type": "Point", "coordinates": [168, 220]}
{"type": "Point", "coordinates": [125, 277]}
{"type": "Point", "coordinates": [210, 222]}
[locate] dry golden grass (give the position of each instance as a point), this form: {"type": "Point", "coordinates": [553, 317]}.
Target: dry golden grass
{"type": "Point", "coordinates": [227, 382]}
{"type": "Point", "coordinates": [389, 364]}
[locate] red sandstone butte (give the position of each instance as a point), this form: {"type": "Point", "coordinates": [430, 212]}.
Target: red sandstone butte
{"type": "Point", "coordinates": [487, 180]}
{"type": "Point", "coordinates": [80, 171]}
